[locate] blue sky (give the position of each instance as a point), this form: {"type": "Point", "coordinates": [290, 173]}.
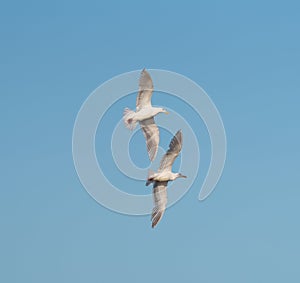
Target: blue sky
{"type": "Point", "coordinates": [246, 57]}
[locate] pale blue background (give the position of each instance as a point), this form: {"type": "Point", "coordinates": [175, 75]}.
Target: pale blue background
{"type": "Point", "coordinates": [244, 54]}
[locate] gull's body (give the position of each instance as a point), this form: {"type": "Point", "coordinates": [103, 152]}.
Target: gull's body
{"type": "Point", "coordinates": [144, 114]}
{"type": "Point", "coordinates": [163, 176]}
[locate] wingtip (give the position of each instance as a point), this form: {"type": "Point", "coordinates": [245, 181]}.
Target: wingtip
{"type": "Point", "coordinates": [179, 133]}
{"type": "Point", "coordinates": [145, 72]}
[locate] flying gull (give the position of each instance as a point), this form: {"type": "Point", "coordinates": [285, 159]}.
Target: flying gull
{"type": "Point", "coordinates": [144, 114]}
{"type": "Point", "coordinates": [163, 176]}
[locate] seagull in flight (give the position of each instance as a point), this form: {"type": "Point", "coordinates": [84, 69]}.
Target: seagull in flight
{"type": "Point", "coordinates": [144, 114]}
{"type": "Point", "coordinates": [163, 176]}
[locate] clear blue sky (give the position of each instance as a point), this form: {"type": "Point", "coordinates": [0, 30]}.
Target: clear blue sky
{"type": "Point", "coordinates": [244, 54]}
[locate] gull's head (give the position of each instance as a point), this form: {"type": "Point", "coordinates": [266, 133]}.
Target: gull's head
{"type": "Point", "coordinates": [179, 175]}
{"type": "Point", "coordinates": [163, 110]}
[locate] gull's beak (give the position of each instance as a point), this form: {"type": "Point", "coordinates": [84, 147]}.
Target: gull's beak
{"type": "Point", "coordinates": [183, 176]}
{"type": "Point", "coordinates": [167, 112]}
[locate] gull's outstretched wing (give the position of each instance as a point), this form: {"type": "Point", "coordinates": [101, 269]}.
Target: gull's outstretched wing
{"type": "Point", "coordinates": [160, 201]}
{"type": "Point", "coordinates": [145, 91]}
{"type": "Point", "coordinates": [173, 151]}
{"type": "Point", "coordinates": [151, 134]}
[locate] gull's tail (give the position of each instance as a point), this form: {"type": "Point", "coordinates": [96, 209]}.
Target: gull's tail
{"type": "Point", "coordinates": [150, 178]}
{"type": "Point", "coordinates": [128, 117]}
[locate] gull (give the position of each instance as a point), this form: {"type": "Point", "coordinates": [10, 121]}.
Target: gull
{"type": "Point", "coordinates": [163, 176]}
{"type": "Point", "coordinates": [144, 114]}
